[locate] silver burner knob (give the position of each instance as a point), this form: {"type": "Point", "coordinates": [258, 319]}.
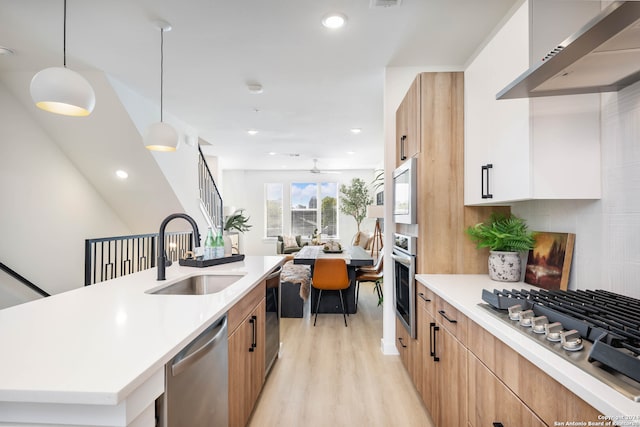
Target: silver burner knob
{"type": "Point", "coordinates": [571, 340]}
{"type": "Point", "coordinates": [538, 324]}
{"type": "Point", "coordinates": [526, 317]}
{"type": "Point", "coordinates": [514, 312]}
{"type": "Point", "coordinates": [552, 331]}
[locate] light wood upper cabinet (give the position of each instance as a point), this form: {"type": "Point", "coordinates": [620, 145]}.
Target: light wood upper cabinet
{"type": "Point", "coordinates": [443, 248]}
{"type": "Point", "coordinates": [537, 148]}
{"type": "Point", "coordinates": [246, 355]}
{"type": "Point", "coordinates": [408, 124]}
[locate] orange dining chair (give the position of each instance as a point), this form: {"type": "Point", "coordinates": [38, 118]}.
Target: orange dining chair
{"type": "Point", "coordinates": [370, 274]}
{"type": "Point", "coordinates": [330, 274]}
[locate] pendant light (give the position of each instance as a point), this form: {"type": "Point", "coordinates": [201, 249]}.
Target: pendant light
{"type": "Point", "coordinates": [60, 90]}
{"type": "Point", "coordinates": [161, 136]}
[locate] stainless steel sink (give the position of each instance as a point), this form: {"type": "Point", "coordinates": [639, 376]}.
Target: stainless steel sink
{"type": "Point", "coordinates": [198, 285]}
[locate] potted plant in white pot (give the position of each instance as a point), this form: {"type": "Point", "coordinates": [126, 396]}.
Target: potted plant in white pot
{"type": "Point", "coordinates": [506, 237]}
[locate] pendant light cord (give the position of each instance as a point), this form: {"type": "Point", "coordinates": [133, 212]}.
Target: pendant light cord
{"type": "Point", "coordinates": [64, 36]}
{"type": "Point", "coordinates": [161, 68]}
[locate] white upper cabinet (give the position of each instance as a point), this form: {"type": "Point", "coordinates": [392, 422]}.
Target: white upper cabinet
{"type": "Point", "coordinates": [539, 148]}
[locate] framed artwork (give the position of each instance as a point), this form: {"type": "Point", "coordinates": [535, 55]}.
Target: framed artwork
{"type": "Point", "coordinates": [549, 261]}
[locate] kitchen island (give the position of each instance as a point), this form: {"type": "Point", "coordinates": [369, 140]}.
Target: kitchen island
{"type": "Point", "coordinates": [95, 356]}
{"type": "Point", "coordinates": [464, 293]}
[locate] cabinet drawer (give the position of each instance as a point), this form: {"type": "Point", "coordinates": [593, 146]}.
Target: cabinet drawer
{"type": "Point", "coordinates": [491, 402]}
{"type": "Point", "coordinates": [451, 319]}
{"type": "Point", "coordinates": [245, 306]}
{"type": "Point", "coordinates": [527, 380]}
{"type": "Point", "coordinates": [426, 298]}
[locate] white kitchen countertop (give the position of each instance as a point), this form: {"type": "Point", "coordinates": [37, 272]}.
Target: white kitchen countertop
{"type": "Point", "coordinates": [96, 344]}
{"type": "Point", "coordinates": [464, 292]}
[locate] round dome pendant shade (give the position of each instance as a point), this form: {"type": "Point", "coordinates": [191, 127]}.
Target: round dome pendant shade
{"type": "Point", "coordinates": [161, 136]}
{"type": "Point", "coordinates": [62, 91]}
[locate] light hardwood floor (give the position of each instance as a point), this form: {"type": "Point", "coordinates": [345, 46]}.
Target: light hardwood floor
{"type": "Point", "coordinates": [336, 376]}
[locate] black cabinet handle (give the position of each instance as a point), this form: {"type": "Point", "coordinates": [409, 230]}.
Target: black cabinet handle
{"type": "Point", "coordinates": [485, 173]}
{"type": "Point", "coordinates": [435, 356]}
{"type": "Point", "coordinates": [496, 424]}
{"type": "Point", "coordinates": [402, 154]}
{"type": "Point", "coordinates": [254, 326]}
{"type": "Point", "coordinates": [255, 331]}
{"type": "Point", "coordinates": [432, 351]}
{"type": "Point", "coordinates": [443, 314]}
{"type": "Point", "coordinates": [401, 343]}
{"type": "Point", "coordinates": [421, 295]}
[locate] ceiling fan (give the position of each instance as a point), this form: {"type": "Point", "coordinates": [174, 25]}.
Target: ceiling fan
{"type": "Point", "coordinates": [315, 169]}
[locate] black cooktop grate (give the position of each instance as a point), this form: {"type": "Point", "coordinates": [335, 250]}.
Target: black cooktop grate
{"type": "Point", "coordinates": [609, 320]}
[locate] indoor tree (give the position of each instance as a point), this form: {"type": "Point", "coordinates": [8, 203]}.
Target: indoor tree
{"type": "Point", "coordinates": [354, 200]}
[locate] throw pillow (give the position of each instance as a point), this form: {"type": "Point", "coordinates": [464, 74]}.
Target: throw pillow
{"type": "Point", "coordinates": [290, 242]}
{"type": "Point", "coordinates": [363, 241]}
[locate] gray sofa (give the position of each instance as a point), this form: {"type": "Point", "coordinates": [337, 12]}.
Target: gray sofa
{"type": "Point", "coordinates": [281, 249]}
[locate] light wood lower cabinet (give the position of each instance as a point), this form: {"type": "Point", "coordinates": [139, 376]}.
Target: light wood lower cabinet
{"type": "Point", "coordinates": [491, 402]}
{"type": "Point", "coordinates": [410, 353]}
{"type": "Point", "coordinates": [546, 397]}
{"type": "Point", "coordinates": [451, 380]}
{"type": "Point", "coordinates": [246, 355]}
{"type": "Point", "coordinates": [469, 377]}
{"type": "Point", "coordinates": [444, 361]}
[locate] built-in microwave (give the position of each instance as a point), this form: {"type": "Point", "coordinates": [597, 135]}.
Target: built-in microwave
{"type": "Point", "coordinates": [404, 193]}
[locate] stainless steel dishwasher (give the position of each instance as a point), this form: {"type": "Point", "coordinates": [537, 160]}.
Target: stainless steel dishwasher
{"type": "Point", "coordinates": [196, 382]}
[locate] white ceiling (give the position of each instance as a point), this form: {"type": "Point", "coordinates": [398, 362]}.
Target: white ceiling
{"type": "Point", "coordinates": [317, 83]}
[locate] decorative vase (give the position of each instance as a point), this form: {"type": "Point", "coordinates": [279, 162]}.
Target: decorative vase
{"type": "Point", "coordinates": [505, 266]}
{"type": "Point", "coordinates": [228, 242]}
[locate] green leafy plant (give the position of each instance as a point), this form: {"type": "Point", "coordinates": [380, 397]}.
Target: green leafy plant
{"type": "Point", "coordinates": [378, 180]}
{"type": "Point", "coordinates": [237, 221]}
{"type": "Point", "coordinates": [502, 233]}
{"type": "Point", "coordinates": [354, 200]}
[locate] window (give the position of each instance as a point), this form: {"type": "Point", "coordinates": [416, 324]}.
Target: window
{"type": "Point", "coordinates": [273, 210]}
{"type": "Point", "coordinates": [308, 215]}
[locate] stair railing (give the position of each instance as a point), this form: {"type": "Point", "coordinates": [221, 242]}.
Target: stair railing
{"type": "Point", "coordinates": [23, 280]}
{"type": "Point", "coordinates": [110, 257]}
{"type": "Point", "coordinates": [210, 197]}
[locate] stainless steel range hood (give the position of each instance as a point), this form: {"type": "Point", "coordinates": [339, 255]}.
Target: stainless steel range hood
{"type": "Point", "coordinates": [603, 56]}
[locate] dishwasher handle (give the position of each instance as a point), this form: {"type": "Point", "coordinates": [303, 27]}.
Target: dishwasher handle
{"type": "Point", "coordinates": [187, 357]}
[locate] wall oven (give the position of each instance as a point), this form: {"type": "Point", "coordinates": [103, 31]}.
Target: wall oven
{"type": "Point", "coordinates": [404, 193]}
{"type": "Point", "coordinates": [404, 270]}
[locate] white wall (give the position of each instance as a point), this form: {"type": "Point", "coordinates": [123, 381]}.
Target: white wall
{"type": "Point", "coordinates": [179, 167]}
{"type": "Point", "coordinates": [48, 207]}
{"type": "Point", "coordinates": [245, 189]}
{"type": "Point", "coordinates": [607, 247]}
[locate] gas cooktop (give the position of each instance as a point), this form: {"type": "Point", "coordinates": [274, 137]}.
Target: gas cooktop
{"type": "Point", "coordinates": [598, 331]}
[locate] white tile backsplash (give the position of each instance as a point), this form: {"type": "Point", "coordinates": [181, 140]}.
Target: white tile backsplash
{"type": "Point", "coordinates": [607, 248]}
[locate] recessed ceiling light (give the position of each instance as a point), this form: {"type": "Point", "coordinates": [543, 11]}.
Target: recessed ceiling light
{"type": "Point", "coordinates": [254, 88]}
{"type": "Point", "coordinates": [122, 174]}
{"type": "Point", "coordinates": [334, 20]}
{"type": "Point", "coordinates": [356, 130]}
{"type": "Point", "coordinates": [351, 152]}
{"type": "Point", "coordinates": [252, 132]}
{"type": "Point", "coordinates": [5, 51]}
{"type": "Point", "coordinates": [272, 153]}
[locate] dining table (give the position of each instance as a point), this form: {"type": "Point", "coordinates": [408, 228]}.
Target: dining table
{"type": "Point", "coordinates": [354, 256]}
